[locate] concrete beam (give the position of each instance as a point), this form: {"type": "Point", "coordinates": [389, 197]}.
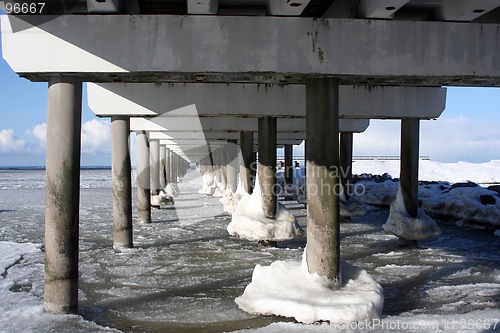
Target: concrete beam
{"type": "Point", "coordinates": [211, 124]}
{"type": "Point", "coordinates": [465, 10]}
{"type": "Point", "coordinates": [286, 7]}
{"type": "Point", "coordinates": [203, 7]}
{"type": "Point", "coordinates": [254, 100]}
{"type": "Point", "coordinates": [251, 49]}
{"type": "Point", "coordinates": [104, 6]}
{"type": "Point", "coordinates": [380, 9]}
{"type": "Point", "coordinates": [222, 124]}
{"type": "Point", "coordinates": [233, 135]}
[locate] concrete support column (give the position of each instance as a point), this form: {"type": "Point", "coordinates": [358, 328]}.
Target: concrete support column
{"type": "Point", "coordinates": [408, 178]}
{"type": "Point", "coordinates": [163, 167]}
{"type": "Point", "coordinates": [122, 183]}
{"type": "Point", "coordinates": [217, 165]}
{"type": "Point", "coordinates": [211, 162]}
{"type": "Point", "coordinates": [62, 194]}
{"type": "Point", "coordinates": [322, 183]}
{"type": "Point", "coordinates": [232, 165]}
{"type": "Point", "coordinates": [255, 165]}
{"type": "Point", "coordinates": [154, 147]}
{"type": "Point", "coordinates": [169, 165]}
{"type": "Point", "coordinates": [247, 160]}
{"type": "Point", "coordinates": [223, 167]}
{"type": "Point", "coordinates": [267, 164]}
{"type": "Point", "coordinates": [346, 163]}
{"type": "Point", "coordinates": [143, 178]}
{"type": "Point", "coordinates": [176, 168]}
{"type": "Point", "coordinates": [172, 167]}
{"type": "Point", "coordinates": [288, 164]}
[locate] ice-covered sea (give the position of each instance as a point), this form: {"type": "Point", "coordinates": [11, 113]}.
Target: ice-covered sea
{"type": "Point", "coordinates": [185, 270]}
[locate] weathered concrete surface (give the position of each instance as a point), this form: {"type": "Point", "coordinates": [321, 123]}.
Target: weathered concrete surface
{"type": "Point", "coordinates": [143, 178]}
{"type": "Point", "coordinates": [122, 183]}
{"type": "Point", "coordinates": [267, 165]}
{"type": "Point", "coordinates": [63, 195]}
{"type": "Point", "coordinates": [217, 99]}
{"type": "Point", "coordinates": [253, 49]}
{"type": "Point", "coordinates": [322, 183]}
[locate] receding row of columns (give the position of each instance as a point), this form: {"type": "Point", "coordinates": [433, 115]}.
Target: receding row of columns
{"type": "Point", "coordinates": [323, 165]}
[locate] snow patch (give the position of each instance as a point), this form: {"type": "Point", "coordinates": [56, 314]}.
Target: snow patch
{"type": "Point", "coordinates": [208, 184]}
{"type": "Point", "coordinates": [285, 288]}
{"type": "Point", "coordinates": [249, 221]}
{"type": "Point", "coordinates": [230, 200]}
{"type": "Point", "coordinates": [401, 224]}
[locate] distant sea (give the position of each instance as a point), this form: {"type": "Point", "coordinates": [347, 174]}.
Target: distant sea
{"type": "Point", "coordinates": [98, 167]}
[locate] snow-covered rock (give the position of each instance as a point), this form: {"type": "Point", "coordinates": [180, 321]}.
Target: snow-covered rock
{"type": "Point", "coordinates": [401, 224]}
{"type": "Point", "coordinates": [286, 288]}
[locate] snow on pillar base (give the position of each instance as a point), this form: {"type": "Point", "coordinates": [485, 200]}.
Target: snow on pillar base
{"type": "Point", "coordinates": [208, 182]}
{"type": "Point", "coordinates": [231, 199]}
{"type": "Point", "coordinates": [401, 224]}
{"type": "Point", "coordinates": [285, 288]}
{"type": "Point", "coordinates": [249, 221]}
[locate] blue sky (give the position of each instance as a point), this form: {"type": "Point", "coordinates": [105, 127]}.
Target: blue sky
{"type": "Point", "coordinates": [468, 129]}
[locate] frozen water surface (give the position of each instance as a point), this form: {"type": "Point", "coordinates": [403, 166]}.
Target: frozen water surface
{"type": "Point", "coordinates": [186, 271]}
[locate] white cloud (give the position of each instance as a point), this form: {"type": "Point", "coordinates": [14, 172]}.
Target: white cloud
{"type": "Point", "coordinates": [10, 144]}
{"type": "Point", "coordinates": [96, 136]}
{"type": "Point", "coordinates": [39, 132]}
{"type": "Point", "coordinates": [381, 138]}
{"type": "Point", "coordinates": [461, 139]}
{"type": "Point", "coordinates": [444, 140]}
